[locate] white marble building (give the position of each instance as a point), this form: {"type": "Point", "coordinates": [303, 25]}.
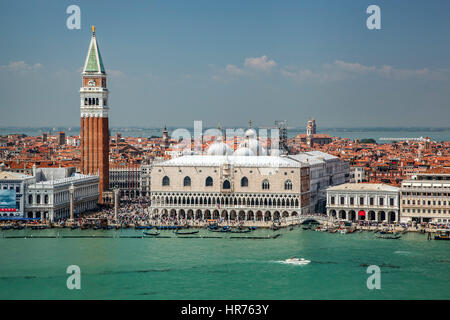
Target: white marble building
{"type": "Point", "coordinates": [237, 185]}
{"type": "Point", "coordinates": [426, 197]}
{"type": "Point", "coordinates": [17, 182]}
{"type": "Point", "coordinates": [325, 170]}
{"type": "Point", "coordinates": [364, 201]}
{"type": "Point", "coordinates": [50, 200]}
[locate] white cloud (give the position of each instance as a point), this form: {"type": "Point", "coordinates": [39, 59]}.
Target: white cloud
{"type": "Point", "coordinates": [232, 69]}
{"type": "Point", "coordinates": [252, 66]}
{"type": "Point", "coordinates": [20, 67]}
{"type": "Point", "coordinates": [341, 70]}
{"type": "Point", "coordinates": [260, 63]}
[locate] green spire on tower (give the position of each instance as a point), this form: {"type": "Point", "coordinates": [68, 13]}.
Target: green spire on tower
{"type": "Point", "coordinates": [94, 62]}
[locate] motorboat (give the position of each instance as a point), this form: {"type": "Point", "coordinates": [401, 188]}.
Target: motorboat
{"type": "Point", "coordinates": [442, 234]}
{"type": "Point", "coordinates": [298, 261]}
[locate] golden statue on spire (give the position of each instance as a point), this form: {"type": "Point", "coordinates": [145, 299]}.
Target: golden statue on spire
{"type": "Point", "coordinates": [93, 29]}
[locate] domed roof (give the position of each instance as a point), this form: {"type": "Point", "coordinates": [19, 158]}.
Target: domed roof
{"type": "Point", "coordinates": [250, 133]}
{"type": "Point", "coordinates": [219, 149]}
{"type": "Point", "coordinates": [243, 151]}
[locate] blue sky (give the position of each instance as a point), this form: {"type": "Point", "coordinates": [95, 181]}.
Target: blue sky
{"type": "Point", "coordinates": [173, 62]}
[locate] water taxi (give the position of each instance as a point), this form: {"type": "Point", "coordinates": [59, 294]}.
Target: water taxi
{"type": "Point", "coordinates": [442, 234]}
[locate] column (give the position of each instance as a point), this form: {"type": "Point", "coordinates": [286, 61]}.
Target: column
{"type": "Point", "coordinates": [71, 192]}
{"type": "Point", "coordinates": [116, 202]}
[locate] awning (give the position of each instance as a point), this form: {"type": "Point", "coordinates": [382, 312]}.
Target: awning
{"type": "Point", "coordinates": [18, 218]}
{"type": "Point", "coordinates": [361, 213]}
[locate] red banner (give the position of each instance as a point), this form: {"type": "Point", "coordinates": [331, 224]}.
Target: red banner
{"type": "Point", "coordinates": [361, 213]}
{"type": "Point", "coordinates": [8, 209]}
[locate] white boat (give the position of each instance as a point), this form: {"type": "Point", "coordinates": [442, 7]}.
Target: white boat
{"type": "Point", "coordinates": [343, 231]}
{"type": "Point", "coordinates": [300, 261]}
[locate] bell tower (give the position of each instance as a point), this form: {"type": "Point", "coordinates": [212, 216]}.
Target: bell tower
{"type": "Point", "coordinates": [94, 117]}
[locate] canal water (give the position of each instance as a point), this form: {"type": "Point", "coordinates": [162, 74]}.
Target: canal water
{"type": "Point", "coordinates": [171, 268]}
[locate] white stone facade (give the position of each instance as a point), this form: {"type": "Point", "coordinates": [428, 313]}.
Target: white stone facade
{"type": "Point", "coordinates": [230, 187]}
{"type": "Point", "coordinates": [50, 200]}
{"type": "Point", "coordinates": [364, 201]}
{"type": "Point", "coordinates": [426, 198]}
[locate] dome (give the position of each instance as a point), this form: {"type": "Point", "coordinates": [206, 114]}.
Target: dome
{"type": "Point", "coordinates": [219, 149]}
{"type": "Point", "coordinates": [243, 151]}
{"type": "Point", "coordinates": [254, 146]}
{"type": "Point", "coordinates": [250, 133]}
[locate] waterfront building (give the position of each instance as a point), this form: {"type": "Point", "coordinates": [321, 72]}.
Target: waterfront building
{"type": "Point", "coordinates": [325, 170]}
{"type": "Point", "coordinates": [364, 201]}
{"type": "Point", "coordinates": [48, 197]}
{"type": "Point", "coordinates": [240, 185]}
{"type": "Point", "coordinates": [94, 117]}
{"type": "Point", "coordinates": [230, 187]}
{"type": "Point", "coordinates": [17, 184]}
{"type": "Point", "coordinates": [426, 197]}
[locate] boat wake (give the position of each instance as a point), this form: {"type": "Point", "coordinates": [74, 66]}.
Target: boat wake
{"type": "Point", "coordinates": [295, 261]}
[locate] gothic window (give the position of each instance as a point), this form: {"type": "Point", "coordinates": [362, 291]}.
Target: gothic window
{"type": "Point", "coordinates": [244, 182]}
{"type": "Point", "coordinates": [30, 199]}
{"type": "Point", "coordinates": [85, 101]}
{"type": "Point", "coordinates": [288, 185]}
{"type": "Point", "coordinates": [187, 182]}
{"type": "Point", "coordinates": [265, 185]}
{"type": "Point", "coordinates": [96, 101]}
{"type": "Point", "coordinates": [46, 199]}
{"type": "Point", "coordinates": [226, 184]}
{"type": "Point", "coordinates": [166, 181]}
{"type": "Point", "coordinates": [209, 182]}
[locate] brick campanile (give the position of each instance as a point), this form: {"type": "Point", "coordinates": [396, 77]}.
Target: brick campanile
{"type": "Point", "coordinates": [94, 117]}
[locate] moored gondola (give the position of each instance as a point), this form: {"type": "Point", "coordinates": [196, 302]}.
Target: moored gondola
{"type": "Point", "coordinates": [154, 234]}
{"type": "Point", "coordinates": [185, 233]}
{"type": "Point", "coordinates": [241, 231]}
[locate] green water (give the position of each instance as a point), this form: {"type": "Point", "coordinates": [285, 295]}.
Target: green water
{"type": "Point", "coordinates": [123, 268]}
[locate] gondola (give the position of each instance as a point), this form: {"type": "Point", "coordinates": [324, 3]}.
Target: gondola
{"type": "Point", "coordinates": [74, 227]}
{"type": "Point", "coordinates": [6, 227]}
{"type": "Point", "coordinates": [185, 233]}
{"type": "Point", "coordinates": [151, 234]}
{"type": "Point", "coordinates": [224, 229]}
{"type": "Point", "coordinates": [241, 231]}
{"type": "Point", "coordinates": [38, 227]}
